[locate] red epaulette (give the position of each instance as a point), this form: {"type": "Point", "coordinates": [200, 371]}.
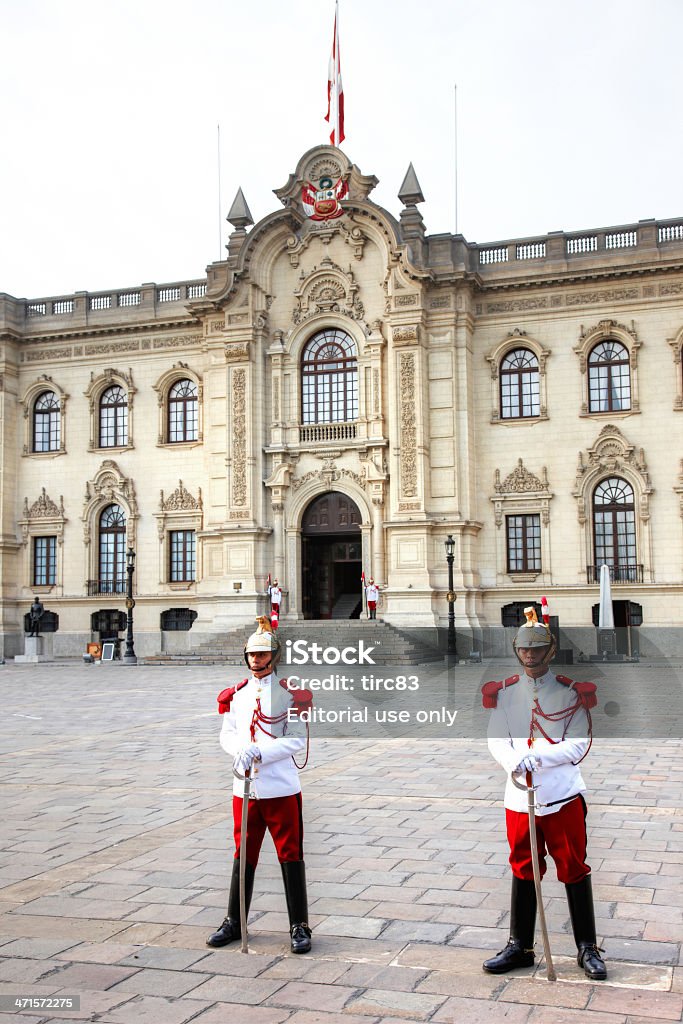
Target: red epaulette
{"type": "Point", "coordinates": [302, 699]}
{"type": "Point", "coordinates": [225, 696]}
{"type": "Point", "coordinates": [586, 692]}
{"type": "Point", "coordinates": [490, 691]}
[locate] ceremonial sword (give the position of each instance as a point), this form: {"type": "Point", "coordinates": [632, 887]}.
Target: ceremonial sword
{"type": "Point", "coordinates": [243, 857]}
{"type": "Point", "coordinates": [531, 807]}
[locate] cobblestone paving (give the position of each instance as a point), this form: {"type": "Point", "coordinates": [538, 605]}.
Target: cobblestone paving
{"type": "Point", "coordinates": [114, 864]}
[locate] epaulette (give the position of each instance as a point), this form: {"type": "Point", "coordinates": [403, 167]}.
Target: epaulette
{"type": "Point", "coordinates": [225, 696]}
{"type": "Point", "coordinates": [490, 691]}
{"type": "Point", "coordinates": [585, 691]}
{"type": "Point", "coordinates": [302, 699]}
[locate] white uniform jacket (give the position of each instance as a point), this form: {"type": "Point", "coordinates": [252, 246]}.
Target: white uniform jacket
{"type": "Point", "coordinates": [372, 592]}
{"type": "Point", "coordinates": [559, 776]}
{"type": "Point", "coordinates": [275, 774]}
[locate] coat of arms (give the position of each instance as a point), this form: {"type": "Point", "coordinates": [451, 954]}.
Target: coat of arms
{"type": "Point", "coordinates": [324, 202]}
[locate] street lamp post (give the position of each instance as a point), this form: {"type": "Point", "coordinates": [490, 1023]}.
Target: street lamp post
{"type": "Point", "coordinates": [450, 554]}
{"type": "Point", "coordinates": [129, 657]}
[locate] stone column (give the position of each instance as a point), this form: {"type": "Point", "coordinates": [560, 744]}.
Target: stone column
{"type": "Point", "coordinates": [378, 540]}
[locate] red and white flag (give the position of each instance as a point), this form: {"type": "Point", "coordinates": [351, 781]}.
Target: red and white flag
{"type": "Point", "coordinates": [335, 89]}
{"type": "Point", "coordinates": [545, 611]}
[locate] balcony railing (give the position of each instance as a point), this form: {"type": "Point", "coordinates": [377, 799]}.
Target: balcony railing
{"type": "Point", "coordinates": [617, 573]}
{"type": "Point", "coordinates": [326, 433]}
{"type": "Point", "coordinates": [102, 588]}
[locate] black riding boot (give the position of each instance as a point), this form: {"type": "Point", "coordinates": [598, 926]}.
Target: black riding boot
{"type": "Point", "coordinates": [294, 878]}
{"type": "Point", "coordinates": [519, 951]}
{"type": "Point", "coordinates": [580, 899]}
{"type": "Point", "coordinates": [231, 929]}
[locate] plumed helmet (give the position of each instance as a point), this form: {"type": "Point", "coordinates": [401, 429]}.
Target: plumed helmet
{"type": "Point", "coordinates": [533, 633]}
{"type": "Point", "coordinates": [263, 640]}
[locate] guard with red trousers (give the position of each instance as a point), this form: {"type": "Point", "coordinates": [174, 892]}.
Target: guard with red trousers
{"type": "Point", "coordinates": [264, 731]}
{"type": "Point", "coordinates": [540, 727]}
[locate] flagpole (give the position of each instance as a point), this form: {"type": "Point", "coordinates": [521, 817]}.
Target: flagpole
{"type": "Point", "coordinates": [220, 203]}
{"type": "Point", "coordinates": [455, 134]}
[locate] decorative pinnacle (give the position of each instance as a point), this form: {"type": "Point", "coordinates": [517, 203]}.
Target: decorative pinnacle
{"type": "Point", "coordinates": [410, 192]}
{"type": "Point", "coordinates": [240, 214]}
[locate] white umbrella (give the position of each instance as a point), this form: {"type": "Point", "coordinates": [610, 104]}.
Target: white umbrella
{"type": "Point", "coordinates": [606, 618]}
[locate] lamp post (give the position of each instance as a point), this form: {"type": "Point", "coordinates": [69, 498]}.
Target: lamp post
{"type": "Point", "coordinates": [129, 657]}
{"type": "Point", "coordinates": [450, 554]}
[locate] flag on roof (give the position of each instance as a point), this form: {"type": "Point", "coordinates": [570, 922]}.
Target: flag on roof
{"type": "Point", "coordinates": [335, 89]}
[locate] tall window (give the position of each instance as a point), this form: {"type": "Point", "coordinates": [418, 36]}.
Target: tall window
{"type": "Point", "coordinates": [46, 415]}
{"type": "Point", "coordinates": [112, 574]}
{"type": "Point", "coordinates": [114, 418]}
{"type": "Point", "coordinates": [183, 557]}
{"type": "Point", "coordinates": [523, 543]}
{"type": "Point", "coordinates": [614, 528]}
{"type": "Point", "coordinates": [329, 378]}
{"type": "Point", "coordinates": [44, 561]}
{"type": "Point", "coordinates": [609, 378]}
{"type": "Point", "coordinates": [519, 385]}
{"type": "Point", "coordinates": [182, 411]}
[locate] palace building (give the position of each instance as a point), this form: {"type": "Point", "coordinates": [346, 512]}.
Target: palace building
{"type": "Point", "coordinates": [339, 395]}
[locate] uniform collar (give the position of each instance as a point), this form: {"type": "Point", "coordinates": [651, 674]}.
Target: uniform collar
{"type": "Point", "coordinates": [541, 681]}
{"type": "Point", "coordinates": [266, 681]}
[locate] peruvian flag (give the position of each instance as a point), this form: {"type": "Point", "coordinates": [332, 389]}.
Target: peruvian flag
{"type": "Point", "coordinates": [335, 89]}
{"type": "Point", "coordinates": [545, 611]}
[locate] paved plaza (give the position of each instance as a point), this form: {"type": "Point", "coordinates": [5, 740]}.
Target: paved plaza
{"type": "Point", "coordinates": [114, 867]}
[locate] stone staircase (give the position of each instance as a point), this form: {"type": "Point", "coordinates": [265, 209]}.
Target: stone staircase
{"type": "Point", "coordinates": [391, 645]}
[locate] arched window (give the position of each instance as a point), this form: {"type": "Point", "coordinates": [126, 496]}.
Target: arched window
{"type": "Point", "coordinates": [112, 569]}
{"type": "Point", "coordinates": [182, 411]}
{"type": "Point", "coordinates": [614, 529]}
{"type": "Point", "coordinates": [114, 418]}
{"type": "Point", "coordinates": [46, 423]}
{"type": "Point", "coordinates": [519, 385]}
{"type": "Point", "coordinates": [609, 377]}
{"type": "Point", "coordinates": [329, 378]}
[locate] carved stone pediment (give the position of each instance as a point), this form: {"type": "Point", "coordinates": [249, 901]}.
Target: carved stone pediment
{"type": "Point", "coordinates": [181, 500]}
{"type": "Point", "coordinates": [521, 481]}
{"type": "Point", "coordinates": [327, 289]}
{"type": "Point", "coordinates": [612, 453]}
{"type": "Point", "coordinates": [43, 507]}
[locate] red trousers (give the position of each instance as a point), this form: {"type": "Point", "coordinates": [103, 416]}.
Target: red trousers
{"type": "Point", "coordinates": [562, 835]}
{"type": "Point", "coordinates": [282, 816]}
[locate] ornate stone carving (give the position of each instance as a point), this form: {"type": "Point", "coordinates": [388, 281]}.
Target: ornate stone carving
{"type": "Point", "coordinates": [521, 492]}
{"type": "Point", "coordinates": [276, 399]}
{"type": "Point", "coordinates": [180, 500]}
{"type": "Point", "coordinates": [612, 454]}
{"type": "Point", "coordinates": [408, 425]}
{"type": "Point", "coordinates": [327, 289]}
{"type": "Point", "coordinates": [109, 485]}
{"type": "Point", "coordinates": [237, 353]}
{"type": "Point", "coordinates": [521, 481]}
{"type": "Point", "coordinates": [43, 507]}
{"type": "Point", "coordinates": [239, 438]}
{"type": "Point", "coordinates": [405, 335]}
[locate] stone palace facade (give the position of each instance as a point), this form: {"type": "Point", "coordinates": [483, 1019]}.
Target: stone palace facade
{"type": "Point", "coordinates": [339, 395]}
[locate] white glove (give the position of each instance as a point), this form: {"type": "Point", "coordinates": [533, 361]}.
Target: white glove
{"type": "Point", "coordinates": [245, 758]}
{"type": "Point", "coordinates": [530, 763]}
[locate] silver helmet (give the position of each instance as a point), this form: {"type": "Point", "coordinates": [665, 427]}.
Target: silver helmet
{"type": "Point", "coordinates": [533, 633]}
{"type": "Point", "coordinates": [263, 640]}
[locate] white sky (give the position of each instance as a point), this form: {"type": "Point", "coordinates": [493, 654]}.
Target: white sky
{"type": "Point", "coordinates": [569, 117]}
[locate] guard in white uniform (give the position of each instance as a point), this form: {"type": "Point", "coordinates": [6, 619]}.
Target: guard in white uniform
{"type": "Point", "coordinates": [262, 731]}
{"type": "Point", "coordinates": [372, 597]}
{"type": "Point", "coordinates": [540, 728]}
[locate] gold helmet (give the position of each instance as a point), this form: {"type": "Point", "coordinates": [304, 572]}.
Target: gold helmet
{"type": "Point", "coordinates": [264, 639]}
{"type": "Point", "coordinates": [533, 633]}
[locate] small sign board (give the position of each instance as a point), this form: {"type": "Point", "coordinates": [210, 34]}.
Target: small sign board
{"type": "Point", "coordinates": [108, 651]}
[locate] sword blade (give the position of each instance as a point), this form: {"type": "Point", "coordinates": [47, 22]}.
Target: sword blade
{"type": "Point", "coordinates": [531, 797]}
{"type": "Point", "coordinates": [243, 863]}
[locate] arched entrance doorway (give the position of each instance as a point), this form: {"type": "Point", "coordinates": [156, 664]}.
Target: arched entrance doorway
{"type": "Point", "coordinates": [331, 558]}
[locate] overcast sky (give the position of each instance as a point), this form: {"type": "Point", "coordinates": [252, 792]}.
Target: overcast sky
{"type": "Point", "coordinates": [569, 117]}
